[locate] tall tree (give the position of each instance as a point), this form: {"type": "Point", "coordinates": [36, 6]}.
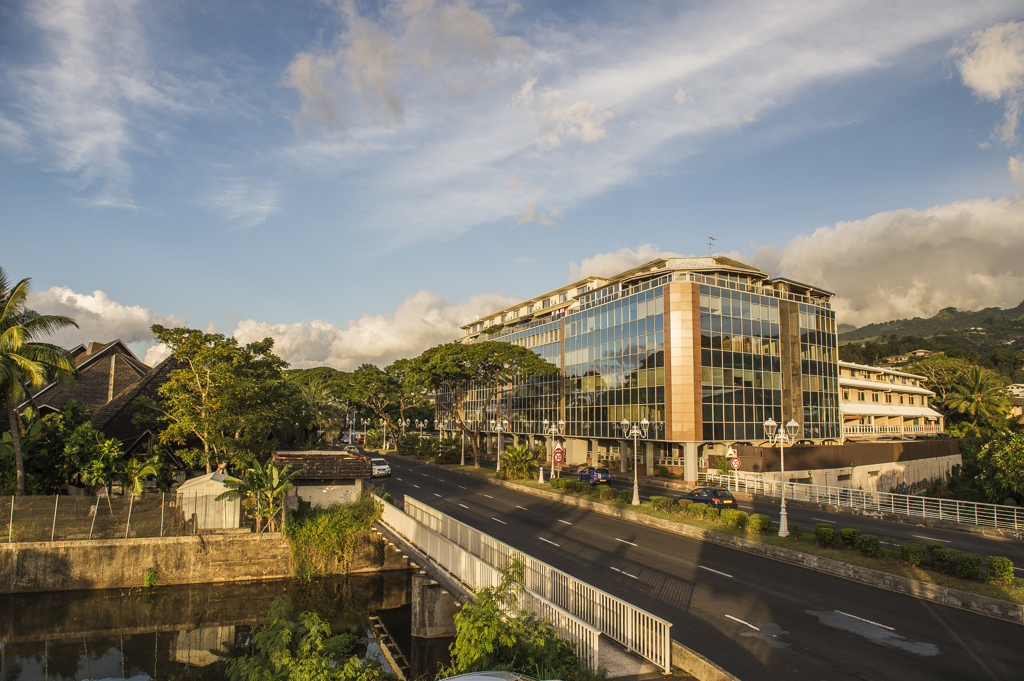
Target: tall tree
{"type": "Point", "coordinates": [980, 395]}
{"type": "Point", "coordinates": [24, 361]}
{"type": "Point", "coordinates": [377, 391]}
{"type": "Point", "coordinates": [491, 369]}
{"type": "Point", "coordinates": [224, 397]}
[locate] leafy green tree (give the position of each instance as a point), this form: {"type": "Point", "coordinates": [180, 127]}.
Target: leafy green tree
{"type": "Point", "coordinates": [24, 360]}
{"type": "Point", "coordinates": [942, 375]}
{"type": "Point", "coordinates": [134, 473]}
{"type": "Point", "coordinates": [518, 462]}
{"type": "Point", "coordinates": [300, 647]}
{"type": "Point", "coordinates": [224, 396]}
{"type": "Point", "coordinates": [980, 395]}
{"type": "Point", "coordinates": [1001, 468]}
{"type": "Point", "coordinates": [377, 391]}
{"type": "Point", "coordinates": [491, 368]}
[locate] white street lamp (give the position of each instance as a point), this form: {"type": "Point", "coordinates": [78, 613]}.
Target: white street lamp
{"type": "Point", "coordinates": [785, 436]}
{"type": "Point", "coordinates": [635, 431]}
{"type": "Point", "coordinates": [499, 428]}
{"type": "Point", "coordinates": [551, 429]}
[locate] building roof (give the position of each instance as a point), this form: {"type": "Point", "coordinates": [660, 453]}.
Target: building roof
{"type": "Point", "coordinates": [117, 417]}
{"type": "Point", "coordinates": [212, 482]}
{"type": "Point", "coordinates": [314, 465]}
{"type": "Point", "coordinates": [55, 395]}
{"type": "Point", "coordinates": [861, 384]}
{"type": "Point", "coordinates": [881, 370]}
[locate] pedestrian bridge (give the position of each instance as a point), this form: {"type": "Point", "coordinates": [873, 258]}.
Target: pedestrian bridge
{"type": "Point", "coordinates": [580, 612]}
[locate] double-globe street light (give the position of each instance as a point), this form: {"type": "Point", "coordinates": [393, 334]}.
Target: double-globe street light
{"type": "Point", "coordinates": [366, 422]}
{"type": "Point", "coordinates": [782, 436]}
{"type": "Point", "coordinates": [422, 424]}
{"type": "Point", "coordinates": [635, 431]}
{"type": "Point", "coordinates": [551, 429]}
{"type": "Point", "coordinates": [499, 428]}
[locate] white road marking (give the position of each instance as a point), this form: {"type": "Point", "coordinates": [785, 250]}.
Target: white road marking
{"type": "Point", "coordinates": [549, 541]}
{"type": "Point", "coordinates": [724, 574]}
{"type": "Point", "coordinates": [522, 507]}
{"type": "Point", "coordinates": [398, 479]}
{"type": "Point", "coordinates": [436, 494]}
{"type": "Point", "coordinates": [864, 620]}
{"type": "Point", "coordinates": [616, 569]}
{"type": "Point", "coordinates": [1019, 569]}
{"type": "Point", "coordinates": [565, 522]}
{"type": "Point", "coordinates": [416, 486]}
{"type": "Point", "coordinates": [944, 541]}
{"type": "Point", "coordinates": [424, 475]}
{"type": "Point", "coordinates": [830, 522]}
{"type": "Point", "coordinates": [625, 542]}
{"type": "Point", "coordinates": [440, 480]}
{"type": "Point", "coordinates": [488, 496]}
{"type": "Point", "coordinates": [629, 575]}
{"type": "Point", "coordinates": [500, 521]}
{"type": "Point", "coordinates": [464, 506]}
{"type": "Point", "coordinates": [737, 619]}
{"type": "Point", "coordinates": [461, 487]}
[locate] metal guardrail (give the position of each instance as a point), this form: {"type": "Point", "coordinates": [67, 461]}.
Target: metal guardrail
{"type": "Point", "coordinates": [477, 573]}
{"type": "Point", "coordinates": [638, 630]}
{"type": "Point", "coordinates": [951, 510]}
{"type": "Point", "coordinates": [68, 518]}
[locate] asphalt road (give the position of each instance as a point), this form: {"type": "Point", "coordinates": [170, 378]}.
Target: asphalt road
{"type": "Point", "coordinates": [758, 618]}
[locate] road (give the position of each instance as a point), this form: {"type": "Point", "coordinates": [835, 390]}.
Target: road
{"type": "Point", "coordinates": [758, 618]}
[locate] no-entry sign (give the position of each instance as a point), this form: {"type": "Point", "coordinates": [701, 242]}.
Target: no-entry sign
{"type": "Point", "coordinates": [735, 463]}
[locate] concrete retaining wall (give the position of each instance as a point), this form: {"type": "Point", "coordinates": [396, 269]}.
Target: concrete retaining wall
{"type": "Point", "coordinates": [122, 563]}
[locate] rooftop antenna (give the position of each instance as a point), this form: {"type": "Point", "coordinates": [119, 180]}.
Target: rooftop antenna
{"type": "Point", "coordinates": [711, 244]}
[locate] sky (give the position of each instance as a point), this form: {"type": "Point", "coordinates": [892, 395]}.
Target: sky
{"type": "Point", "coordinates": [357, 178]}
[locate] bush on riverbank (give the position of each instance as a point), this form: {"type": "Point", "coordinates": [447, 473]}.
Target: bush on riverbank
{"type": "Point", "coordinates": [316, 535]}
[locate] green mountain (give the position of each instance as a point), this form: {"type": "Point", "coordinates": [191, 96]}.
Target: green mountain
{"type": "Point", "coordinates": [991, 326]}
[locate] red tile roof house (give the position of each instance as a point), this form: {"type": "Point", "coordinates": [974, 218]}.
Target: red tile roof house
{"type": "Point", "coordinates": [324, 478]}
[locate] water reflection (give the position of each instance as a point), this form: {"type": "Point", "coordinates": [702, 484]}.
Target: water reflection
{"type": "Point", "coordinates": [188, 632]}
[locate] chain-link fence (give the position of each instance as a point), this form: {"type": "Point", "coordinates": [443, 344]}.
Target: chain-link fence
{"type": "Point", "coordinates": [69, 518]}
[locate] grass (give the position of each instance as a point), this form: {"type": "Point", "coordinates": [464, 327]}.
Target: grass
{"type": "Point", "coordinates": [889, 563]}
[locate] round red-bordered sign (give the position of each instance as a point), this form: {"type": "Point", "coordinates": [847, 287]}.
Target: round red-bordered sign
{"type": "Point", "coordinates": [735, 463]}
{"type": "Point", "coordinates": [558, 456]}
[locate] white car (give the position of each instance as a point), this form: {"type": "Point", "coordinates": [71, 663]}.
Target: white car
{"type": "Point", "coordinates": [381, 469]}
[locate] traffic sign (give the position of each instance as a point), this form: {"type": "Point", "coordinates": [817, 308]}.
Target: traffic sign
{"type": "Point", "coordinates": [735, 463]}
{"type": "Point", "coordinates": [558, 456]}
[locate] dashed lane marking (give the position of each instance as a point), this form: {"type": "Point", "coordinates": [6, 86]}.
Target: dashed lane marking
{"type": "Point", "coordinates": [461, 487]}
{"type": "Point", "coordinates": [436, 494]}
{"type": "Point", "coordinates": [565, 522]}
{"type": "Point", "coordinates": [488, 496]}
{"type": "Point", "coordinates": [464, 506]}
{"type": "Point", "coordinates": [522, 507]}
{"type": "Point", "coordinates": [864, 620]}
{"type": "Point", "coordinates": [944, 541]}
{"type": "Point", "coordinates": [622, 572]}
{"type": "Point", "coordinates": [724, 574]}
{"type": "Point", "coordinates": [398, 479]}
{"type": "Point", "coordinates": [830, 522]}
{"type": "Point", "coordinates": [549, 542]}
{"type": "Point", "coordinates": [748, 624]}
{"type": "Point", "coordinates": [625, 542]}
{"type": "Point", "coordinates": [416, 486]}
{"type": "Point", "coordinates": [499, 521]}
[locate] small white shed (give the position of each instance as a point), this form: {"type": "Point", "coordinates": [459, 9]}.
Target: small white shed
{"type": "Point", "coordinates": [198, 497]}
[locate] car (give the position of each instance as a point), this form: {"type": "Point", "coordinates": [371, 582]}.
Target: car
{"type": "Point", "coordinates": [381, 468]}
{"type": "Point", "coordinates": [716, 497]}
{"type": "Point", "coordinates": [594, 475]}
{"type": "Point", "coordinates": [358, 451]}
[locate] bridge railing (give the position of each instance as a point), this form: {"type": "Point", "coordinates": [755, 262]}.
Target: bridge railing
{"type": "Point", "coordinates": [636, 629]}
{"type": "Point", "coordinates": [952, 510]}
{"type": "Point", "coordinates": [476, 573]}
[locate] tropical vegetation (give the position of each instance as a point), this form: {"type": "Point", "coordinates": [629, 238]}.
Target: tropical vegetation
{"type": "Point", "coordinates": [518, 462]}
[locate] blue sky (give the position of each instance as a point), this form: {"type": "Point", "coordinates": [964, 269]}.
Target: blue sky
{"type": "Point", "coordinates": [359, 178]}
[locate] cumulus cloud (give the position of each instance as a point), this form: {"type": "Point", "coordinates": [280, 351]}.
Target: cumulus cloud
{"type": "Point", "coordinates": [608, 264]}
{"type": "Point", "coordinates": [368, 72]}
{"type": "Point", "coordinates": [991, 63]}
{"type": "Point", "coordinates": [579, 120]}
{"type": "Point", "coordinates": [1016, 164]}
{"type": "Point", "coordinates": [246, 203]}
{"type": "Point", "coordinates": [909, 263]}
{"type": "Point", "coordinates": [531, 214]}
{"type": "Point", "coordinates": [99, 317]}
{"type": "Point", "coordinates": [681, 97]}
{"type": "Point", "coordinates": [156, 354]}
{"type": "Point", "coordinates": [425, 319]}
{"type": "Point", "coordinates": [525, 261]}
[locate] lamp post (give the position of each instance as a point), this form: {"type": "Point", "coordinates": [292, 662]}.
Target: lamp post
{"type": "Point", "coordinates": [635, 431]}
{"type": "Point", "coordinates": [421, 425]}
{"type": "Point", "coordinates": [499, 428]}
{"type": "Point", "coordinates": [782, 436]}
{"type": "Point", "coordinates": [551, 429]}
{"type": "Point", "coordinates": [366, 422]}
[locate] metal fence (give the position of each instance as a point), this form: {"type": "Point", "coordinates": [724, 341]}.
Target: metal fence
{"type": "Point", "coordinates": [68, 518]}
{"type": "Point", "coordinates": [476, 574]}
{"type": "Point", "coordinates": [636, 629]}
{"type": "Point", "coordinates": [968, 512]}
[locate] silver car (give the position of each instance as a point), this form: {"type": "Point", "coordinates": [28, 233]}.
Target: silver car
{"type": "Point", "coordinates": [381, 469]}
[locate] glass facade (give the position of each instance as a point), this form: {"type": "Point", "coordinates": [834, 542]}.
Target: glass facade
{"type": "Point", "coordinates": [819, 372]}
{"type": "Point", "coordinates": [615, 365]}
{"type": "Point", "coordinates": [741, 373]}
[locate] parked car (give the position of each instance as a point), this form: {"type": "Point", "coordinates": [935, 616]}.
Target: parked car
{"type": "Point", "coordinates": [594, 475]}
{"type": "Point", "coordinates": [381, 468]}
{"type": "Point", "coordinates": [716, 497]}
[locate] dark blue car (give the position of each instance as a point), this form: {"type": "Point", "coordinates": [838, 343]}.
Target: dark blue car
{"type": "Point", "coordinates": [715, 497]}
{"type": "Point", "coordinates": [594, 475]}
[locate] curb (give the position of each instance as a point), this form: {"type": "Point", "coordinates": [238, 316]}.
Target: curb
{"type": "Point", "coordinates": [955, 598]}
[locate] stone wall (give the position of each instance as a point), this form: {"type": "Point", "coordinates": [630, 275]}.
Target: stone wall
{"type": "Point", "coordinates": [122, 563]}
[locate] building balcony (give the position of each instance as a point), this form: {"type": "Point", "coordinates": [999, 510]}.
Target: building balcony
{"type": "Point", "coordinates": [892, 429]}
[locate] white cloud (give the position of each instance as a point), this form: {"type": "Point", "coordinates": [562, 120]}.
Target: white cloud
{"type": "Point", "coordinates": [1016, 164]}
{"type": "Point", "coordinates": [516, 183]}
{"type": "Point", "coordinates": [991, 63]}
{"type": "Point", "coordinates": [531, 214]}
{"type": "Point", "coordinates": [521, 262]}
{"type": "Point", "coordinates": [578, 120]}
{"type": "Point", "coordinates": [908, 263]}
{"type": "Point", "coordinates": [608, 264]}
{"type": "Point", "coordinates": [156, 354]}
{"type": "Point", "coordinates": [681, 97]}
{"type": "Point", "coordinates": [99, 317]}
{"type": "Point", "coordinates": [423, 320]}
{"type": "Point", "coordinates": [247, 203]}
{"type": "Point", "coordinates": [513, 9]}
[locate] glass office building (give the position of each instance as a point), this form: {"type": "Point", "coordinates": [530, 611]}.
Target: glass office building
{"type": "Point", "coordinates": [706, 349]}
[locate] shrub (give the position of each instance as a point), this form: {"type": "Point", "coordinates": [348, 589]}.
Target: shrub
{"type": "Point", "coordinates": [661, 503]}
{"type": "Point", "coordinates": [683, 505]}
{"type": "Point", "coordinates": [735, 518]}
{"type": "Point", "coordinates": [796, 530]}
{"type": "Point", "coordinates": [1000, 569]}
{"type": "Point", "coordinates": [967, 565]}
{"type": "Point", "coordinates": [317, 535]}
{"type": "Point", "coordinates": [557, 483]}
{"type": "Point", "coordinates": [869, 545]}
{"type": "Point", "coordinates": [697, 510]}
{"type": "Point", "coordinates": [149, 580]}
{"type": "Point", "coordinates": [606, 494]}
{"type": "Point", "coordinates": [932, 546]}
{"type": "Point", "coordinates": [912, 553]}
{"type": "Point", "coordinates": [663, 471]}
{"type": "Point", "coordinates": [849, 536]}
{"type": "Point", "coordinates": [625, 496]}
{"type": "Point", "coordinates": [760, 524]}
{"type": "Point", "coordinates": [712, 514]}
{"type": "Point", "coordinates": [942, 558]}
{"type": "Point", "coordinates": [576, 487]}
{"type": "Point", "coordinates": [826, 535]}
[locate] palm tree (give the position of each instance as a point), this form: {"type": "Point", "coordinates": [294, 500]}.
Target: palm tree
{"type": "Point", "coordinates": [263, 486]}
{"type": "Point", "coordinates": [133, 473]}
{"type": "Point", "coordinates": [321, 407]}
{"type": "Point", "coordinates": [517, 462]}
{"type": "Point", "coordinates": [24, 361]}
{"type": "Point", "coordinates": [980, 394]}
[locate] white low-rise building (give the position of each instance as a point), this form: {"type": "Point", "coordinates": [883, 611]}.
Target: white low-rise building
{"type": "Point", "coordinates": [885, 404]}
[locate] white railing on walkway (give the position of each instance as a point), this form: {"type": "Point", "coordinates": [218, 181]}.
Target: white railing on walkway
{"type": "Point", "coordinates": [476, 573]}
{"type": "Point", "coordinates": [968, 512]}
{"type": "Point", "coordinates": [638, 630]}
{"type": "Point", "coordinates": [879, 429]}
